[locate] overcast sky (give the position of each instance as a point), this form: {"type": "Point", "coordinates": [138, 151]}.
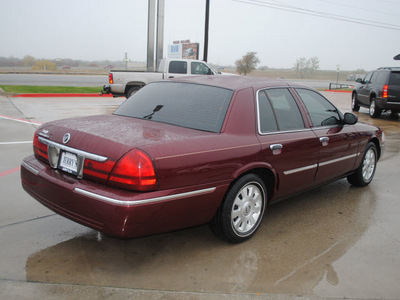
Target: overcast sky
{"type": "Point", "coordinates": [280, 31]}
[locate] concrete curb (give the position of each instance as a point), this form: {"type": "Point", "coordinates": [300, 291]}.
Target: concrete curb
{"type": "Point", "coordinates": [338, 91]}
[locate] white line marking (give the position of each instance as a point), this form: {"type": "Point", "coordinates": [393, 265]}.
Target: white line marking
{"type": "Point", "coordinates": [15, 143]}
{"type": "Point", "coordinates": [20, 120]}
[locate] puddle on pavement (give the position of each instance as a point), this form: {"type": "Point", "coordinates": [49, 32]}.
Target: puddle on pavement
{"type": "Point", "coordinates": [296, 246]}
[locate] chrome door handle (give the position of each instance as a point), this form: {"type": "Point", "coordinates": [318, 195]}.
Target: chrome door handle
{"type": "Point", "coordinates": [324, 140]}
{"type": "Point", "coordinates": [275, 147]}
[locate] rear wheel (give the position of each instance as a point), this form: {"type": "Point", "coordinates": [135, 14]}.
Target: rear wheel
{"type": "Point", "coordinates": [242, 210]}
{"type": "Point", "coordinates": [354, 103]}
{"type": "Point", "coordinates": [131, 91]}
{"type": "Point", "coordinates": [394, 115]}
{"type": "Point", "coordinates": [374, 111]}
{"type": "Point", "coordinates": [366, 171]}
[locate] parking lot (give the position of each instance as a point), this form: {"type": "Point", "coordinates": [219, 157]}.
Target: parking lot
{"type": "Point", "coordinates": [336, 241]}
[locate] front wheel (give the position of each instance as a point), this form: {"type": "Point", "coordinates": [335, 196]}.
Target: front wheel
{"type": "Point", "coordinates": [354, 103]}
{"type": "Point", "coordinates": [366, 171]}
{"type": "Point", "coordinates": [242, 210]}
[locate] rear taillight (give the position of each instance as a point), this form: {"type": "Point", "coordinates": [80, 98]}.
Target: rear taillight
{"type": "Point", "coordinates": [97, 171]}
{"type": "Point", "coordinates": [385, 91]}
{"type": "Point", "coordinates": [110, 78]}
{"type": "Point", "coordinates": [40, 149]}
{"type": "Point", "coordinates": [134, 171]}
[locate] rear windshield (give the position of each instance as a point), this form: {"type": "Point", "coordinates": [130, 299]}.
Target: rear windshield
{"type": "Point", "coordinates": [394, 78]}
{"type": "Point", "coordinates": [187, 105]}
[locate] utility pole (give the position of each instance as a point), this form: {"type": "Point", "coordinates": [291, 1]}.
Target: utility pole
{"type": "Point", "coordinates": [155, 26]}
{"type": "Point", "coordinates": [205, 54]}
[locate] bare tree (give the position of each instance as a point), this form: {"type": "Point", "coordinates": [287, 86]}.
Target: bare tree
{"type": "Point", "coordinates": [247, 63]}
{"type": "Point", "coordinates": [306, 67]}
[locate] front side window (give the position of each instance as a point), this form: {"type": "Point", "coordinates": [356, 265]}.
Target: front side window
{"type": "Point", "coordinates": [199, 68]}
{"type": "Point", "coordinates": [278, 111]}
{"type": "Point", "coordinates": [367, 78]}
{"type": "Point", "coordinates": [187, 105]}
{"type": "Point", "coordinates": [321, 111]}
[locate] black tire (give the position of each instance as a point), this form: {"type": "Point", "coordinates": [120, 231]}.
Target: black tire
{"type": "Point", "coordinates": [354, 103]}
{"type": "Point", "coordinates": [366, 171]}
{"type": "Point", "coordinates": [394, 115]}
{"type": "Point", "coordinates": [131, 91]}
{"type": "Point", "coordinates": [374, 111]}
{"type": "Point", "coordinates": [242, 210]}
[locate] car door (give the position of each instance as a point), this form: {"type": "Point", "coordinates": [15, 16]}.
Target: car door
{"type": "Point", "coordinates": [338, 143]}
{"type": "Point", "coordinates": [288, 146]}
{"type": "Point", "coordinates": [364, 89]}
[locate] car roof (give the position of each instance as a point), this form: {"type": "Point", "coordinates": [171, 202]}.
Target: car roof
{"type": "Point", "coordinates": [234, 82]}
{"type": "Point", "coordinates": [390, 68]}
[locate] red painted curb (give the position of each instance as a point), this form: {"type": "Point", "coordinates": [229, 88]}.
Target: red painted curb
{"type": "Point", "coordinates": [9, 171]}
{"type": "Point", "coordinates": [62, 95]}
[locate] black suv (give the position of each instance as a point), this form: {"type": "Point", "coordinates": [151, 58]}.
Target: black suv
{"type": "Point", "coordinates": [380, 91]}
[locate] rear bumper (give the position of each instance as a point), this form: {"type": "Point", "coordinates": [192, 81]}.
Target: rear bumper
{"type": "Point", "coordinates": [107, 90]}
{"type": "Point", "coordinates": [387, 103]}
{"type": "Point", "coordinates": [117, 212]}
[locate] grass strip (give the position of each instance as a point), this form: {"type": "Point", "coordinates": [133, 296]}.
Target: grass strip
{"type": "Point", "coordinates": [28, 89]}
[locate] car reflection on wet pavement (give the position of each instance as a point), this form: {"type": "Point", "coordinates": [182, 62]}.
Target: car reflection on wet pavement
{"type": "Point", "coordinates": [334, 241]}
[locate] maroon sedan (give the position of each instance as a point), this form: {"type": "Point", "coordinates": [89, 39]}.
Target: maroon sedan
{"type": "Point", "coordinates": [197, 150]}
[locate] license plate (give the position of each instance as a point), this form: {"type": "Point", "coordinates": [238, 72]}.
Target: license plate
{"type": "Point", "coordinates": [68, 162]}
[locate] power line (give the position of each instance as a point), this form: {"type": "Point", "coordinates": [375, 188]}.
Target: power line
{"type": "Point", "coordinates": [360, 8]}
{"type": "Point", "coordinates": [319, 14]}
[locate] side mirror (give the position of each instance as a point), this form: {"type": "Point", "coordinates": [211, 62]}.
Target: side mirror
{"type": "Point", "coordinates": [350, 119]}
{"type": "Point", "coordinates": [359, 80]}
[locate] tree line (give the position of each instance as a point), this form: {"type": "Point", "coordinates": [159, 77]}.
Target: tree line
{"type": "Point", "coordinates": [53, 64]}
{"type": "Point", "coordinates": [304, 67]}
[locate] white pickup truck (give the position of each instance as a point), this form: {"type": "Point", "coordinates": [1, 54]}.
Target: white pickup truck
{"type": "Point", "coordinates": [126, 82]}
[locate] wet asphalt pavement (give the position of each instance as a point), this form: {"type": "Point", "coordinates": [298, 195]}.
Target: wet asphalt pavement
{"type": "Point", "coordinates": [333, 242]}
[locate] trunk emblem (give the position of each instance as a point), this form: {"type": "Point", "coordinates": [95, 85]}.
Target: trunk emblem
{"type": "Point", "coordinates": [66, 138]}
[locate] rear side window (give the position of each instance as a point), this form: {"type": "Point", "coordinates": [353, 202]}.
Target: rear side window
{"type": "Point", "coordinates": [187, 105]}
{"type": "Point", "coordinates": [382, 77]}
{"type": "Point", "coordinates": [278, 111]}
{"type": "Point", "coordinates": [394, 78]}
{"type": "Point", "coordinates": [178, 67]}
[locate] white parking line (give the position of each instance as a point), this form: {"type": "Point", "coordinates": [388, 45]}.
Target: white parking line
{"type": "Point", "coordinates": [20, 120]}
{"type": "Point", "coordinates": [15, 143]}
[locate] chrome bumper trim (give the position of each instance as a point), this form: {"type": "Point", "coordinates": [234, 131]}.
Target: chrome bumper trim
{"type": "Point", "coordinates": [144, 201]}
{"type": "Point", "coordinates": [30, 168]}
{"type": "Point", "coordinates": [73, 150]}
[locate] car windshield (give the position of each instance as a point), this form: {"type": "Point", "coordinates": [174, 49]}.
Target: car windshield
{"type": "Point", "coordinates": [187, 105]}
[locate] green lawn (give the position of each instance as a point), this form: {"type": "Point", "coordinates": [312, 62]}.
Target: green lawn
{"type": "Point", "coordinates": [27, 89]}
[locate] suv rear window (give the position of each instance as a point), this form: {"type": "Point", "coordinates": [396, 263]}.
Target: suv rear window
{"type": "Point", "coordinates": [187, 105]}
{"type": "Point", "coordinates": [394, 78]}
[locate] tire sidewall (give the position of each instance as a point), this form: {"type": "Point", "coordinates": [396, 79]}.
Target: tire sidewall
{"type": "Point", "coordinates": [229, 231]}
{"type": "Point", "coordinates": [357, 178]}
{"type": "Point", "coordinates": [354, 103]}
{"type": "Point", "coordinates": [373, 147]}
